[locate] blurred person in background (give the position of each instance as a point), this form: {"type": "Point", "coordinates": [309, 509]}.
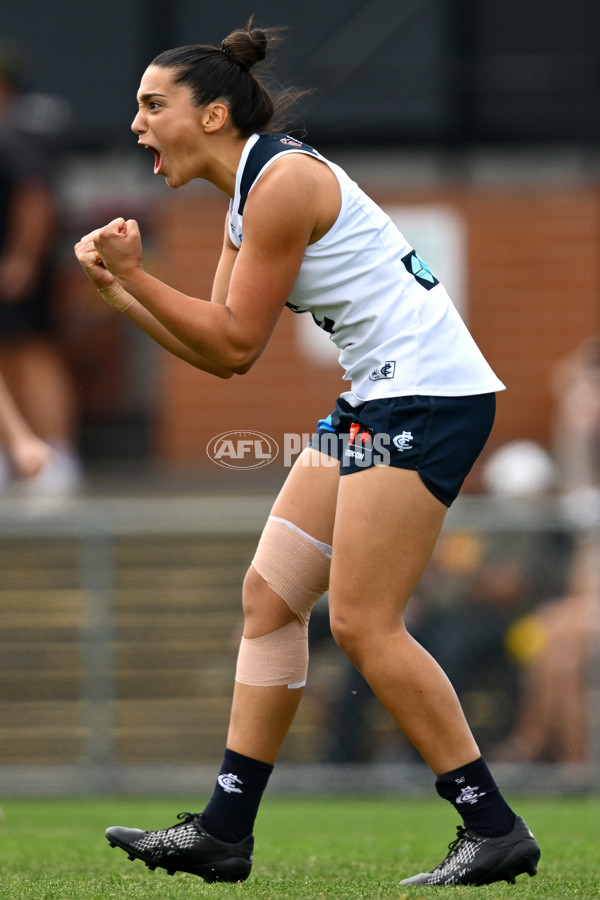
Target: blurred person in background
{"type": "Point", "coordinates": [576, 432]}
{"type": "Point", "coordinates": [28, 454]}
{"type": "Point", "coordinates": [362, 522]}
{"type": "Point", "coordinates": [31, 127]}
{"type": "Point", "coordinates": [555, 643]}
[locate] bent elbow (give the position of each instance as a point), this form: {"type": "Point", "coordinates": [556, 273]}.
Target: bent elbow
{"type": "Point", "coordinates": [242, 367]}
{"type": "Point", "coordinates": [242, 360]}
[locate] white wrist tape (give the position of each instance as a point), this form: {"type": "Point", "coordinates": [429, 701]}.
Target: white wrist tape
{"type": "Point", "coordinates": [117, 297]}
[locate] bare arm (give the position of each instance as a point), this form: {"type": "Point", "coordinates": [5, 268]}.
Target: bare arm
{"type": "Point", "coordinates": [278, 223]}
{"type": "Point", "coordinates": [154, 329]}
{"type": "Point", "coordinates": [116, 295]}
{"type": "Point", "coordinates": [222, 279]}
{"type": "Point", "coordinates": [291, 205]}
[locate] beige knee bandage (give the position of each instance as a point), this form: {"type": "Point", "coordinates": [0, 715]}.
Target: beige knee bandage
{"type": "Point", "coordinates": [280, 657]}
{"type": "Point", "coordinates": [296, 567]}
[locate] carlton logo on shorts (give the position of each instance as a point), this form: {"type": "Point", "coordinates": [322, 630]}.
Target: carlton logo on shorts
{"type": "Point", "coordinates": [421, 271]}
{"type": "Point", "coordinates": [403, 441]}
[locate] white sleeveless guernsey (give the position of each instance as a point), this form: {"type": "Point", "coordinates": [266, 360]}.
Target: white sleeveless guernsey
{"type": "Point", "coordinates": [396, 329]}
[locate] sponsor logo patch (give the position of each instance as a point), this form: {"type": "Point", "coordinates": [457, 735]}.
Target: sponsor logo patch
{"type": "Point", "coordinates": [421, 271]}
{"type": "Point", "coordinates": [385, 370]}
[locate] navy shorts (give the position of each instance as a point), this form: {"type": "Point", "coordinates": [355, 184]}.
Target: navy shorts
{"type": "Point", "coordinates": [439, 437]}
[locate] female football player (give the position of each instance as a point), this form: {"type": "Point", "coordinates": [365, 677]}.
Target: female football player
{"type": "Point", "coordinates": [419, 407]}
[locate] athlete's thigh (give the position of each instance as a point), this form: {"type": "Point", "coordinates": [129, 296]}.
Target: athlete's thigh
{"type": "Point", "coordinates": [309, 494]}
{"type": "Point", "coordinates": [387, 523]}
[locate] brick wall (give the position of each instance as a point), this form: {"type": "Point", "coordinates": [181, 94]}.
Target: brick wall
{"type": "Point", "coordinates": [533, 289]}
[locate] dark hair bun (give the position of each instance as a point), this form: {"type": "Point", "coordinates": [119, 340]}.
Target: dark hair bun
{"type": "Point", "coordinates": [222, 73]}
{"type": "Point", "coordinates": [247, 46]}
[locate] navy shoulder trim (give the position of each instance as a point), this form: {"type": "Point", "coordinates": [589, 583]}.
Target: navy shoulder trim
{"type": "Point", "coordinates": [267, 146]}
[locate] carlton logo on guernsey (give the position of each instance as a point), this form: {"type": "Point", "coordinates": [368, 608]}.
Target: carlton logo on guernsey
{"type": "Point", "coordinates": [390, 318]}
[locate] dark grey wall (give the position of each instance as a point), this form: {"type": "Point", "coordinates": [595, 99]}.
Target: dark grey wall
{"type": "Point", "coordinates": [385, 71]}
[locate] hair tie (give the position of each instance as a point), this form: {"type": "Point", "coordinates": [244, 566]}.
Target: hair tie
{"type": "Point", "coordinates": [227, 52]}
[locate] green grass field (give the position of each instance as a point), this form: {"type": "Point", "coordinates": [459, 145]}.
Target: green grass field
{"type": "Point", "coordinates": [306, 849]}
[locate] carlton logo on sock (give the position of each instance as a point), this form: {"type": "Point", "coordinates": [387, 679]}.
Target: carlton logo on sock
{"type": "Point", "coordinates": [229, 782]}
{"type": "Point", "coordinates": [469, 795]}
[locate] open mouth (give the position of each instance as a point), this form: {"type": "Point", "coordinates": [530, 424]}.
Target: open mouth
{"type": "Point", "coordinates": [157, 158]}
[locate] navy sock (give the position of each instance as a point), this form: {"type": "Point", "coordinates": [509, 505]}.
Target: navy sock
{"type": "Point", "coordinates": [475, 795]}
{"type": "Point", "coordinates": [232, 809]}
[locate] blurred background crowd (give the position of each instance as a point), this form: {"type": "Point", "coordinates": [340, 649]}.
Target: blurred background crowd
{"type": "Point", "coordinates": [475, 124]}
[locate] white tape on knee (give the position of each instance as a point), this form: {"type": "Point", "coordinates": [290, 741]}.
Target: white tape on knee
{"type": "Point", "coordinates": [294, 565]}
{"type": "Point", "coordinates": [277, 658]}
